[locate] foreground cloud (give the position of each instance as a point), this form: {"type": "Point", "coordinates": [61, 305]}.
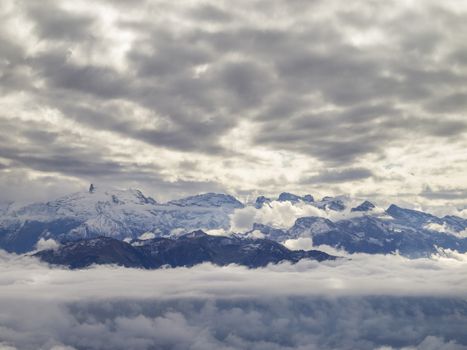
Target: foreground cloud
{"type": "Point", "coordinates": [367, 302]}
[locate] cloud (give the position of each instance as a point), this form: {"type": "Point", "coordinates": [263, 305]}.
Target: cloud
{"type": "Point", "coordinates": [43, 244]}
{"type": "Point", "coordinates": [302, 243]}
{"type": "Point", "coordinates": [444, 193]}
{"type": "Point", "coordinates": [445, 229]}
{"type": "Point", "coordinates": [283, 214]}
{"type": "Point", "coordinates": [277, 214]}
{"type": "Point", "coordinates": [365, 302]}
{"type": "Point", "coordinates": [336, 176]}
{"type": "Point", "coordinates": [316, 95]}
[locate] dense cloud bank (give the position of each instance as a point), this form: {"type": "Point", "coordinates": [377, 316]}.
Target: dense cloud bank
{"type": "Point", "coordinates": [365, 302]}
{"type": "Point", "coordinates": [259, 323]}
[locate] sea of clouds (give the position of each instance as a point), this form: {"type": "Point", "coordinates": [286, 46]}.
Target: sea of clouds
{"type": "Point", "coordinates": [359, 302]}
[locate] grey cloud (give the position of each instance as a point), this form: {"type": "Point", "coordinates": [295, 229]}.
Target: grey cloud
{"type": "Point", "coordinates": [211, 13]}
{"type": "Point", "coordinates": [53, 22]}
{"type": "Point", "coordinates": [44, 151]}
{"type": "Point", "coordinates": [280, 324]}
{"type": "Point", "coordinates": [331, 137]}
{"type": "Point", "coordinates": [199, 71]}
{"type": "Point", "coordinates": [101, 82]}
{"type": "Point", "coordinates": [459, 57]}
{"type": "Point", "coordinates": [340, 175]}
{"type": "Point", "coordinates": [456, 103]}
{"type": "Point", "coordinates": [447, 128]}
{"type": "Point", "coordinates": [171, 55]}
{"type": "Point", "coordinates": [444, 193]}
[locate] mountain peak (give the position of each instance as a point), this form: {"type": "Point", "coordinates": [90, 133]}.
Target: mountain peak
{"type": "Point", "coordinates": [260, 201]}
{"type": "Point", "coordinates": [290, 197]}
{"type": "Point", "coordinates": [195, 234]}
{"type": "Point", "coordinates": [364, 206]}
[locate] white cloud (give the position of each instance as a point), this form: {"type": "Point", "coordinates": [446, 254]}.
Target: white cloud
{"type": "Point", "coordinates": [283, 214]}
{"type": "Point", "coordinates": [49, 243]}
{"type": "Point", "coordinates": [365, 302]}
{"type": "Point", "coordinates": [217, 232]}
{"type": "Point", "coordinates": [146, 236]}
{"type": "Point", "coordinates": [302, 243]}
{"type": "Point", "coordinates": [444, 228]}
{"type": "Point", "coordinates": [430, 343]}
{"type": "Point", "coordinates": [277, 214]}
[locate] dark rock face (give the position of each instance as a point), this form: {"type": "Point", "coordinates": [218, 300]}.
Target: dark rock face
{"type": "Point", "coordinates": [374, 235]}
{"type": "Point", "coordinates": [188, 250]}
{"type": "Point", "coordinates": [101, 250]}
{"type": "Point", "coordinates": [272, 233]}
{"type": "Point", "coordinates": [260, 201]}
{"type": "Point", "coordinates": [411, 217]}
{"type": "Point", "coordinates": [365, 206]}
{"type": "Point", "coordinates": [290, 197]}
{"type": "Point", "coordinates": [22, 237]}
{"type": "Point", "coordinates": [331, 203]}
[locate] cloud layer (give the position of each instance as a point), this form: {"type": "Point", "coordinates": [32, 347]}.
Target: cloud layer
{"type": "Point", "coordinates": [367, 302]}
{"type": "Point", "coordinates": [180, 98]}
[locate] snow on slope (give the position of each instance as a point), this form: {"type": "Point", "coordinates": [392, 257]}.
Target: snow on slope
{"type": "Point", "coordinates": [118, 214]}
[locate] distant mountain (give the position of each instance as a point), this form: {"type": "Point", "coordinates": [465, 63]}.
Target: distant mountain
{"type": "Point", "coordinates": [186, 250]}
{"type": "Point", "coordinates": [365, 206]}
{"type": "Point", "coordinates": [290, 197]}
{"type": "Point", "coordinates": [411, 233]}
{"type": "Point", "coordinates": [114, 213]}
{"type": "Point", "coordinates": [341, 222]}
{"type": "Point", "coordinates": [331, 203]}
{"type": "Point", "coordinates": [262, 200]}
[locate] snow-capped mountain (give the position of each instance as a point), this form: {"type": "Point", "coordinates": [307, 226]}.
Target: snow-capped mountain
{"type": "Point", "coordinates": [331, 203]}
{"type": "Point", "coordinates": [114, 213]}
{"type": "Point", "coordinates": [410, 232]}
{"type": "Point", "coordinates": [290, 197]}
{"type": "Point", "coordinates": [339, 222]}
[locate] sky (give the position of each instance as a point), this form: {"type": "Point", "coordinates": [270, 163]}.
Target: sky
{"type": "Point", "coordinates": [368, 302]}
{"type": "Point", "coordinates": [365, 98]}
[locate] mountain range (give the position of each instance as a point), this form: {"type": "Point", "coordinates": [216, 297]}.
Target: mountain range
{"type": "Point", "coordinates": [124, 216]}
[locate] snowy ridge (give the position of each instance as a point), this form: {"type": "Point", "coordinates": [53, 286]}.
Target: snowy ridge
{"type": "Point", "coordinates": [114, 213]}
{"type": "Point", "coordinates": [340, 222]}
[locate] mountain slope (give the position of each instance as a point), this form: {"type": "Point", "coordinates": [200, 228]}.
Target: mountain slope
{"type": "Point", "coordinates": [114, 213]}
{"type": "Point", "coordinates": [187, 250]}
{"type": "Point", "coordinates": [409, 232]}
